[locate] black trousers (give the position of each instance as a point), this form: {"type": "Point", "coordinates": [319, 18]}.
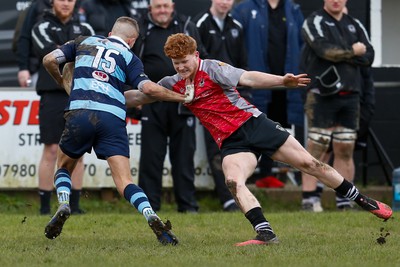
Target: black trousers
{"type": "Point", "coordinates": [162, 127]}
{"type": "Point", "coordinates": [215, 162]}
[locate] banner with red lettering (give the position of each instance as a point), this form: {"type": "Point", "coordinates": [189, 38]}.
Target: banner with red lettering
{"type": "Point", "coordinates": [20, 150]}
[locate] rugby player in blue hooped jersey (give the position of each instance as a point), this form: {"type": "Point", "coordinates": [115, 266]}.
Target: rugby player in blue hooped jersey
{"type": "Point", "coordinates": [243, 132]}
{"type": "Point", "coordinates": [95, 116]}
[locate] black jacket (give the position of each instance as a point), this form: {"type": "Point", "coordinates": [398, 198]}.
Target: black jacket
{"type": "Point", "coordinates": [48, 34]}
{"type": "Point", "coordinates": [102, 14]}
{"type": "Point", "coordinates": [227, 45]}
{"type": "Point", "coordinates": [329, 42]}
{"type": "Point", "coordinates": [25, 55]}
{"type": "Point", "coordinates": [179, 24]}
{"type": "Point", "coordinates": [149, 48]}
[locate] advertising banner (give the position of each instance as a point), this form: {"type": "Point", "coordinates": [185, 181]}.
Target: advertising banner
{"type": "Point", "coordinates": [20, 150]}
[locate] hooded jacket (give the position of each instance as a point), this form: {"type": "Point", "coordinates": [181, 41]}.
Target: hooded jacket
{"type": "Point", "coordinates": [253, 15]}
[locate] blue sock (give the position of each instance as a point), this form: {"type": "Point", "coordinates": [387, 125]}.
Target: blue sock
{"type": "Point", "coordinates": [135, 195]}
{"type": "Point", "coordinates": [62, 182]}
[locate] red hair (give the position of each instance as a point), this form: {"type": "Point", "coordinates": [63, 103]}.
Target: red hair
{"type": "Point", "coordinates": [179, 45]}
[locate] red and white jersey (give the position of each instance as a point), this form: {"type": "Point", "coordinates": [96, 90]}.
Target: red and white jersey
{"type": "Point", "coordinates": [217, 103]}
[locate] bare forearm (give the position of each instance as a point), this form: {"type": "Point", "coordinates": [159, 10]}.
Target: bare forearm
{"type": "Point", "coordinates": [256, 79]}
{"type": "Point", "coordinates": [160, 93]}
{"type": "Point", "coordinates": [52, 68]}
{"type": "Point", "coordinates": [136, 98]}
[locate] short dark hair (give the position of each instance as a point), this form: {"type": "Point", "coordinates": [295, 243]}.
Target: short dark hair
{"type": "Point", "coordinates": [119, 28]}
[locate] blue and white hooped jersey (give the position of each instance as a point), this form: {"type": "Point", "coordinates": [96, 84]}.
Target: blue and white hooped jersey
{"type": "Point", "coordinates": [103, 69]}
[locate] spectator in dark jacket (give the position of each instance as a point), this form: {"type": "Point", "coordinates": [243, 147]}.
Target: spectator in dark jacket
{"type": "Point", "coordinates": [163, 123]}
{"type": "Point", "coordinates": [28, 62]}
{"type": "Point", "coordinates": [272, 31]}
{"type": "Point", "coordinates": [57, 26]}
{"type": "Point", "coordinates": [337, 46]}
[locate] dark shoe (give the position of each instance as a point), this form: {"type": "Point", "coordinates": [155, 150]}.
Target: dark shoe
{"type": "Point", "coordinates": [162, 231]}
{"type": "Point", "coordinates": [232, 208]}
{"type": "Point", "coordinates": [262, 238]}
{"type": "Point", "coordinates": [379, 209]}
{"type": "Point", "coordinates": [54, 227]}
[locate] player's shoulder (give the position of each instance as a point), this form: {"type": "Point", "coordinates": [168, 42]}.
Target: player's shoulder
{"type": "Point", "coordinates": [212, 64]}
{"type": "Point", "coordinates": [215, 68]}
{"type": "Point", "coordinates": [86, 43]}
{"type": "Point", "coordinates": [170, 81]}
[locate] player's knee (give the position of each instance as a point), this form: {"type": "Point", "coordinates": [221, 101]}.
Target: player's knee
{"type": "Point", "coordinates": [319, 140]}
{"type": "Point", "coordinates": [233, 185]}
{"type": "Point", "coordinates": [344, 140]}
{"type": "Point", "coordinates": [344, 135]}
{"type": "Point", "coordinates": [230, 183]}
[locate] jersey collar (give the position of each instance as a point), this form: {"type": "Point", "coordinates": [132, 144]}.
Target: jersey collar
{"type": "Point", "coordinates": [120, 40]}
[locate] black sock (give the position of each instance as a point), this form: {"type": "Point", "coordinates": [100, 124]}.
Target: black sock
{"type": "Point", "coordinates": [257, 219]}
{"type": "Point", "coordinates": [45, 197]}
{"type": "Point", "coordinates": [348, 190]}
{"type": "Point", "coordinates": [74, 200]}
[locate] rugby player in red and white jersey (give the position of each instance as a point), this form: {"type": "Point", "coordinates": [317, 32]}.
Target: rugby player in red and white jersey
{"type": "Point", "coordinates": [243, 132]}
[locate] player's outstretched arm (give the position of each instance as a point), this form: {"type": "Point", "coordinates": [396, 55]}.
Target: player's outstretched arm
{"type": "Point", "coordinates": [135, 98]}
{"type": "Point", "coordinates": [154, 92]}
{"type": "Point", "coordinates": [256, 79]}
